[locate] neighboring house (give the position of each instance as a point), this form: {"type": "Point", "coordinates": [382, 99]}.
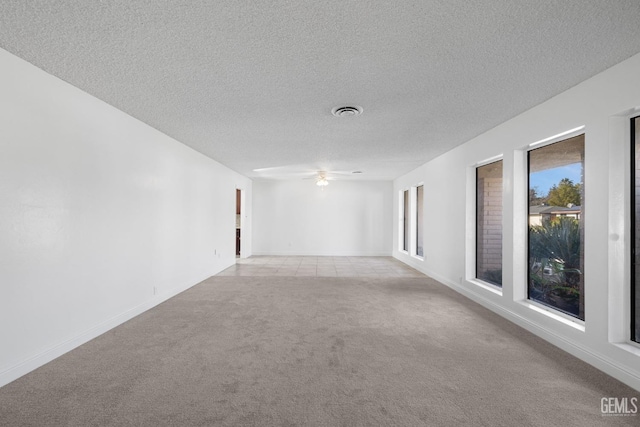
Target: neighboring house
{"type": "Point", "coordinates": [544, 212]}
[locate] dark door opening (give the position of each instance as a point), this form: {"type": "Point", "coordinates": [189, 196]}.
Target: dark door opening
{"type": "Point", "coordinates": [238, 220]}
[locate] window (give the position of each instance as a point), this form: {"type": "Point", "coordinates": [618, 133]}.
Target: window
{"type": "Point", "coordinates": [635, 229]}
{"type": "Point", "coordinates": [419, 225]}
{"type": "Point", "coordinates": [556, 229]}
{"type": "Point", "coordinates": [489, 223]}
{"type": "Point", "coordinates": [405, 220]}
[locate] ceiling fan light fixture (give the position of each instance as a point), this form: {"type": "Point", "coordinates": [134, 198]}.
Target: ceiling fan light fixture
{"type": "Point", "coordinates": [347, 111]}
{"type": "Point", "coordinates": [322, 182]}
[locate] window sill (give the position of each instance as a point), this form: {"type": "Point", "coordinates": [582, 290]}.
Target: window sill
{"type": "Point", "coordinates": [549, 312]}
{"type": "Point", "coordinates": [487, 286]}
{"type": "Point", "coordinates": [633, 348]}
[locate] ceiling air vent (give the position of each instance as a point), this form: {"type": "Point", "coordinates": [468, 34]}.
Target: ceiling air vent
{"type": "Point", "coordinates": [346, 111]}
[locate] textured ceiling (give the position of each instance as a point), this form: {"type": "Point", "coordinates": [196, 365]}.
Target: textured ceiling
{"type": "Point", "coordinates": [252, 83]}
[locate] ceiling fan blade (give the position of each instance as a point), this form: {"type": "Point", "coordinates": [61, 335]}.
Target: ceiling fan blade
{"type": "Point", "coordinates": [339, 173]}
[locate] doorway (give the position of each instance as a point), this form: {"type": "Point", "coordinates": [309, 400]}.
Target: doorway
{"type": "Point", "coordinates": [238, 221]}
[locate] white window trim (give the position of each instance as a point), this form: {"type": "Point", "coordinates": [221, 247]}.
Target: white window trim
{"type": "Point", "coordinates": [413, 228]}
{"type": "Point", "coordinates": [520, 228]}
{"type": "Point", "coordinates": [401, 235]}
{"type": "Point", "coordinates": [619, 295]}
{"type": "Point", "coordinates": [568, 134]}
{"type": "Point", "coordinates": [554, 314]}
{"type": "Point", "coordinates": [471, 226]}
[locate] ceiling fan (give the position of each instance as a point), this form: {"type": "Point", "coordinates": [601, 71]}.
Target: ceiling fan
{"type": "Point", "coordinates": [322, 176]}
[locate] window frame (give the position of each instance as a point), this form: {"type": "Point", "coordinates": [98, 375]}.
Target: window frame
{"type": "Point", "coordinates": [417, 211]}
{"type": "Point", "coordinates": [538, 306]}
{"type": "Point", "coordinates": [404, 226]}
{"type": "Point", "coordinates": [477, 237]}
{"type": "Point", "coordinates": [635, 340]}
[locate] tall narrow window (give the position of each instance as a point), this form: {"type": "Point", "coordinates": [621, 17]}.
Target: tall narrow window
{"type": "Point", "coordinates": [489, 223]}
{"type": "Point", "coordinates": [635, 229]}
{"type": "Point", "coordinates": [405, 220]}
{"type": "Point", "coordinates": [556, 228]}
{"type": "Point", "coordinates": [419, 219]}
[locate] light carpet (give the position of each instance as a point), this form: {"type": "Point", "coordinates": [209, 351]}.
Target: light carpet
{"type": "Point", "coordinates": [297, 351]}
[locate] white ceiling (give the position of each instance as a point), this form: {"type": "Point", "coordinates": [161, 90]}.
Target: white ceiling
{"type": "Point", "coordinates": [252, 83]}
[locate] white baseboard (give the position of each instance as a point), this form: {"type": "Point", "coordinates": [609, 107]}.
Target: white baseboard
{"type": "Point", "coordinates": [298, 253]}
{"type": "Point", "coordinates": [586, 354]}
{"type": "Point", "coordinates": [34, 362]}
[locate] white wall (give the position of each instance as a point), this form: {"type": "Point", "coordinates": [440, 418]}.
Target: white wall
{"type": "Point", "coordinates": [603, 105]}
{"type": "Point", "coordinates": [299, 218]}
{"type": "Point", "coordinates": [102, 217]}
